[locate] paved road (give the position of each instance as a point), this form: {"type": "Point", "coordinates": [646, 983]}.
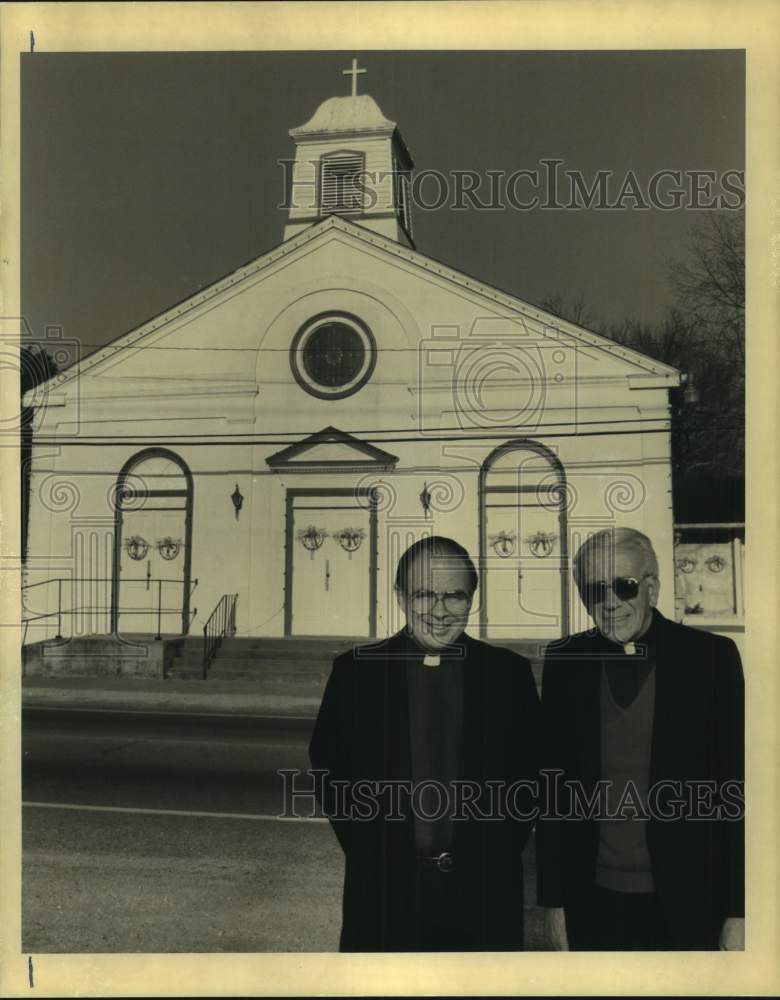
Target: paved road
{"type": "Point", "coordinates": [97, 881]}
{"type": "Point", "coordinates": [215, 763]}
{"type": "Point", "coordinates": [162, 834]}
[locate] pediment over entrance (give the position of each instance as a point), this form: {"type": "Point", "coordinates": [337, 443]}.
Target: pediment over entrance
{"type": "Point", "coordinates": [331, 448]}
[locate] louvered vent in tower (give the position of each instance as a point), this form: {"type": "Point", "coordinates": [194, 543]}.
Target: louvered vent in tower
{"type": "Point", "coordinates": [341, 187]}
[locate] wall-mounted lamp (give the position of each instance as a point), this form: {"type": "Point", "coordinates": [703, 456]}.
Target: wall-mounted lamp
{"type": "Point", "coordinates": [690, 392]}
{"type": "Point", "coordinates": [238, 500]}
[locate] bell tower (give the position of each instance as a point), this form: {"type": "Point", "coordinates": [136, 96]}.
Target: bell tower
{"type": "Point", "coordinates": [351, 161]}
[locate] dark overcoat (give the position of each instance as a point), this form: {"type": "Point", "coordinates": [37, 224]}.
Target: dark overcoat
{"type": "Point", "coordinates": [697, 737]}
{"type": "Point", "coordinates": [362, 734]}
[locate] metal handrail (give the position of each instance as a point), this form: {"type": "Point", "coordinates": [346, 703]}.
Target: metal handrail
{"type": "Point", "coordinates": [59, 580]}
{"type": "Point", "coordinates": [220, 623]}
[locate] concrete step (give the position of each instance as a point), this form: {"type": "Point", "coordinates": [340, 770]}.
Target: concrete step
{"type": "Point", "coordinates": [256, 664]}
{"type": "Point", "coordinates": [271, 668]}
{"type": "Point", "coordinates": [184, 673]}
{"type": "Point", "coordinates": [304, 641]}
{"type": "Point", "coordinates": [240, 663]}
{"type": "Point", "coordinates": [309, 683]}
{"type": "Point", "coordinates": [315, 647]}
{"type": "Point", "coordinates": [258, 672]}
{"type": "Point", "coordinates": [190, 650]}
{"type": "Point", "coordinates": [298, 671]}
{"type": "Point", "coordinates": [304, 681]}
{"type": "Point", "coordinates": [323, 648]}
{"type": "Point", "coordinates": [293, 665]}
{"type": "Point", "coordinates": [245, 657]}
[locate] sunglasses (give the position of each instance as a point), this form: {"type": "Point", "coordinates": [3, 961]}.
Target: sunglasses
{"type": "Point", "coordinates": [625, 588]}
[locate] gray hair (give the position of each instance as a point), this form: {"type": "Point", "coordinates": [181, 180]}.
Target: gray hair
{"type": "Point", "coordinates": [613, 538]}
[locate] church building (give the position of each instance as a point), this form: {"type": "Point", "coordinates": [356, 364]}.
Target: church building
{"type": "Point", "coordinates": [285, 433]}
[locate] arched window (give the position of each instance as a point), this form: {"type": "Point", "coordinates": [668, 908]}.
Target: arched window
{"type": "Point", "coordinates": [152, 544]}
{"type": "Point", "coordinates": [523, 543]}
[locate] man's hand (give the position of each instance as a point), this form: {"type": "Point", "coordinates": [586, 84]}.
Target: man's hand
{"type": "Point", "coordinates": [732, 935]}
{"type": "Point", "coordinates": [555, 935]}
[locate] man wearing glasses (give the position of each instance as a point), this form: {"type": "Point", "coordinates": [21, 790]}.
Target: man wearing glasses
{"type": "Point", "coordinates": [429, 744]}
{"type": "Point", "coordinates": [641, 844]}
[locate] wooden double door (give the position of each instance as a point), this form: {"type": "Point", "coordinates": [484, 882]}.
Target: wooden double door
{"type": "Point", "coordinates": [331, 563]}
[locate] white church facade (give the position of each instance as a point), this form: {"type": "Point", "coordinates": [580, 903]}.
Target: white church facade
{"type": "Point", "coordinates": [284, 434]}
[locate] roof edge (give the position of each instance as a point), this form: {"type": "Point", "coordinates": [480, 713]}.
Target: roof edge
{"type": "Point", "coordinates": [372, 238]}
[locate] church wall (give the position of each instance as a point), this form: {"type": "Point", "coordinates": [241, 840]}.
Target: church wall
{"type": "Point", "coordinates": [451, 364]}
{"type": "Point", "coordinates": [624, 484]}
{"type": "Point", "coordinates": [604, 498]}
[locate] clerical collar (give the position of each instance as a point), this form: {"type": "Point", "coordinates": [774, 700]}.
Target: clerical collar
{"type": "Point", "coordinates": [430, 659]}
{"type": "Point", "coordinates": [635, 648]}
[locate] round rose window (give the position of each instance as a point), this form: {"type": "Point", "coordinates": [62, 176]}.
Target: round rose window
{"type": "Point", "coordinates": [333, 355]}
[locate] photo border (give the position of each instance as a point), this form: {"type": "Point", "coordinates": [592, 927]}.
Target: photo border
{"type": "Point", "coordinates": [753, 25]}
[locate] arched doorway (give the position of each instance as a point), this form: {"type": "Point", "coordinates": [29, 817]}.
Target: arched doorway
{"type": "Point", "coordinates": [523, 543]}
{"type": "Point", "coordinates": [152, 544]}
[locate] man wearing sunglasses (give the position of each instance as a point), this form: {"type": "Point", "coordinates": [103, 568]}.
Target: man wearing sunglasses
{"type": "Point", "coordinates": [641, 844]}
{"type": "Point", "coordinates": [453, 722]}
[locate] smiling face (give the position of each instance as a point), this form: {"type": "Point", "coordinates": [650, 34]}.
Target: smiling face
{"type": "Point", "coordinates": [436, 600]}
{"type": "Point", "coordinates": [621, 620]}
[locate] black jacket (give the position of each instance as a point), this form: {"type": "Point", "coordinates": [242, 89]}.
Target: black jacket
{"type": "Point", "coordinates": [362, 732]}
{"type": "Point", "coordinates": [698, 735]}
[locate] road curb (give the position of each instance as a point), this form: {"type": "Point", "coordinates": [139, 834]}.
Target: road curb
{"type": "Point", "coordinates": [178, 702]}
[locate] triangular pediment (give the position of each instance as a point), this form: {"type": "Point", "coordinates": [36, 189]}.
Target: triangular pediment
{"type": "Point", "coordinates": [332, 449]}
{"type": "Point", "coordinates": [335, 228]}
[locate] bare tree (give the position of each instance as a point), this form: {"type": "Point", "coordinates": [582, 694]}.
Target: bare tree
{"type": "Point", "coordinates": [703, 335]}
{"type": "Point", "coordinates": [710, 287]}
{"type": "Point", "coordinates": [573, 310]}
{"type": "Point", "coordinates": [710, 283]}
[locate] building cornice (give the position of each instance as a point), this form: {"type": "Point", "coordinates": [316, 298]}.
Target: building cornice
{"type": "Point", "coordinates": [388, 247]}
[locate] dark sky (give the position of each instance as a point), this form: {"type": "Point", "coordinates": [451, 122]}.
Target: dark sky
{"type": "Point", "coordinates": [147, 176]}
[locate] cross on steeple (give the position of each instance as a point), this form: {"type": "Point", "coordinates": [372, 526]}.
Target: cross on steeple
{"type": "Point", "coordinates": [354, 72]}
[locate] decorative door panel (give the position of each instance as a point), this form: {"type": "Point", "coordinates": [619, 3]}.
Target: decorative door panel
{"type": "Point", "coordinates": [524, 573]}
{"type": "Point", "coordinates": [332, 567]}
{"type": "Point", "coordinates": [153, 537]}
{"type": "Point", "coordinates": [152, 571]}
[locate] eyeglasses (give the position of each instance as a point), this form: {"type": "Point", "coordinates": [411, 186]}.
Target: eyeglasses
{"type": "Point", "coordinates": [455, 602]}
{"type": "Point", "coordinates": [625, 588]}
